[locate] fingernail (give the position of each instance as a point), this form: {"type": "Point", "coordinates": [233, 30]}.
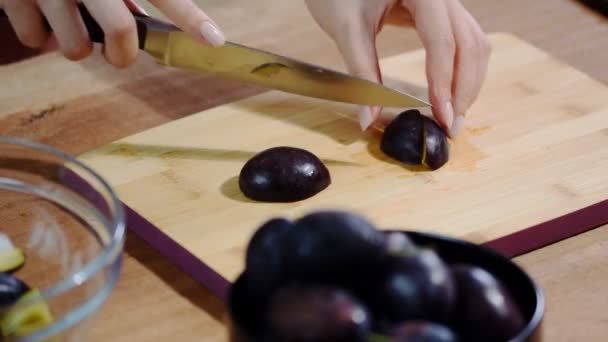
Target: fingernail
{"type": "Point", "coordinates": [365, 117]}
{"type": "Point", "coordinates": [457, 126]}
{"type": "Point", "coordinates": [212, 34]}
{"type": "Point", "coordinates": [449, 114]}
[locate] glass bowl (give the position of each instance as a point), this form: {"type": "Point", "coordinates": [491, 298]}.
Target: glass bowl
{"type": "Point", "coordinates": [62, 232]}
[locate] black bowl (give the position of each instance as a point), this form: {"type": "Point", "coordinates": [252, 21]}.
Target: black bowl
{"type": "Point", "coordinates": [526, 292]}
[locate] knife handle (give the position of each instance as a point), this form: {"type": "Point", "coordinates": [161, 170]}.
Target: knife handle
{"type": "Point", "coordinates": [143, 22]}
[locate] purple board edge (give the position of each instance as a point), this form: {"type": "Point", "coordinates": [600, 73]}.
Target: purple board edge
{"type": "Point", "coordinates": [186, 261]}
{"type": "Point", "coordinates": [511, 245]}
{"type": "Point", "coordinates": [148, 232]}
{"type": "Point", "coordinates": [552, 231]}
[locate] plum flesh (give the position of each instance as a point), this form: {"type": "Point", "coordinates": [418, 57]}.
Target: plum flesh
{"type": "Point", "coordinates": [283, 174]}
{"type": "Point", "coordinates": [415, 139]}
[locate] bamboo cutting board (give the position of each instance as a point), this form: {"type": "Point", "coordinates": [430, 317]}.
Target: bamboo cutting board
{"type": "Point", "coordinates": [535, 147]}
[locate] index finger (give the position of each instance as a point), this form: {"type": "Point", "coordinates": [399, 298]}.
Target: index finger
{"type": "Point", "coordinates": [191, 19]}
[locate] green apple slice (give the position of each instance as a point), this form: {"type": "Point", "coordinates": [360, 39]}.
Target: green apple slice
{"type": "Point", "coordinates": [11, 258]}
{"type": "Point", "coordinates": [23, 320]}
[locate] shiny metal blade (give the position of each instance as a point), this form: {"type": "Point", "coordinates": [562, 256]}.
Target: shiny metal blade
{"type": "Point", "coordinates": [250, 65]}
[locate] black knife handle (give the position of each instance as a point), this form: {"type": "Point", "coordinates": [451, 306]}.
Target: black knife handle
{"type": "Point", "coordinates": [143, 22]}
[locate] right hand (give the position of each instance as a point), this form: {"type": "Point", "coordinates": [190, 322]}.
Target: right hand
{"type": "Point", "coordinates": [115, 19]}
{"type": "Point", "coordinates": [456, 48]}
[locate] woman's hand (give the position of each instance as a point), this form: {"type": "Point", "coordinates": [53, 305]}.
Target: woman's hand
{"type": "Point", "coordinates": [457, 50]}
{"type": "Point", "coordinates": [114, 17]}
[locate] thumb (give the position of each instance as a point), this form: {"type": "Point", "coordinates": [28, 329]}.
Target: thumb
{"type": "Point", "coordinates": [357, 44]}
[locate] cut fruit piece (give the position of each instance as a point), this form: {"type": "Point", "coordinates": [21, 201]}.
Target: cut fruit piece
{"type": "Point", "coordinates": [10, 260]}
{"type": "Point", "coordinates": [26, 319]}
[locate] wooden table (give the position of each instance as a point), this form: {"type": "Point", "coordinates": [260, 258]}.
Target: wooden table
{"type": "Point", "coordinates": [155, 302]}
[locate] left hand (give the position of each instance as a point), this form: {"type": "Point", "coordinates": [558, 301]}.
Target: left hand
{"type": "Point", "coordinates": [457, 50]}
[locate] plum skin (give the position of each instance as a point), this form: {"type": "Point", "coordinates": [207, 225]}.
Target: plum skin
{"type": "Point", "coordinates": [483, 298]}
{"type": "Point", "coordinates": [436, 149]}
{"type": "Point", "coordinates": [423, 331]}
{"type": "Point", "coordinates": [414, 287]}
{"type": "Point", "coordinates": [11, 289]}
{"type": "Point", "coordinates": [283, 174]}
{"type": "Point", "coordinates": [333, 246]}
{"type": "Point", "coordinates": [415, 139]}
{"type": "Point", "coordinates": [403, 138]}
{"type": "Point", "coordinates": [264, 254]}
{"type": "Point", "coordinates": [317, 313]}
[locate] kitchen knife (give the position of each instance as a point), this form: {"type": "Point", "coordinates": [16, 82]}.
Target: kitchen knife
{"type": "Point", "coordinates": [169, 46]}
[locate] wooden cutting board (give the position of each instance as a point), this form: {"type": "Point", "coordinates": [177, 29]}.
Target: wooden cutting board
{"type": "Point", "coordinates": [535, 147]}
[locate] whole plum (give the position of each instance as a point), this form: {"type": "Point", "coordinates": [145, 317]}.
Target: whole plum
{"type": "Point", "coordinates": [317, 313]}
{"type": "Point", "coordinates": [485, 310]}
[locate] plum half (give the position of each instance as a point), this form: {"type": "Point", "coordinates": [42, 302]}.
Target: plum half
{"type": "Point", "coordinates": [283, 174]}
{"type": "Point", "coordinates": [415, 139]}
{"type": "Point", "coordinates": [317, 313]}
{"type": "Point", "coordinates": [485, 310]}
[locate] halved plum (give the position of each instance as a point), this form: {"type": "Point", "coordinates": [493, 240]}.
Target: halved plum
{"type": "Point", "coordinates": [283, 174]}
{"type": "Point", "coordinates": [415, 139]}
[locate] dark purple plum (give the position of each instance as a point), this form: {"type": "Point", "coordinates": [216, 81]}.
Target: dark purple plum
{"type": "Point", "coordinates": [415, 139]}
{"type": "Point", "coordinates": [423, 331]}
{"type": "Point", "coordinates": [317, 313]}
{"type": "Point", "coordinates": [417, 286]}
{"type": "Point", "coordinates": [11, 289]}
{"type": "Point", "coordinates": [398, 243]}
{"type": "Point", "coordinates": [333, 246]}
{"type": "Point", "coordinates": [283, 174]}
{"type": "Point", "coordinates": [485, 310]}
{"type": "Point", "coordinates": [403, 138]}
{"type": "Point", "coordinates": [436, 149]}
{"type": "Point", "coordinates": [247, 303]}
{"type": "Point", "coordinates": [264, 255]}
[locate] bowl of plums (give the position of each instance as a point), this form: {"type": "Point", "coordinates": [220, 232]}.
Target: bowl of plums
{"type": "Point", "coordinates": [331, 275]}
{"type": "Point", "coordinates": [62, 233]}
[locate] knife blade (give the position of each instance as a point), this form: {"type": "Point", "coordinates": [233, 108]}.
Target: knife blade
{"type": "Point", "coordinates": [170, 46]}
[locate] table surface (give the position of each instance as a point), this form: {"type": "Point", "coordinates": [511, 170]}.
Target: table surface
{"type": "Point", "coordinates": [154, 301]}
